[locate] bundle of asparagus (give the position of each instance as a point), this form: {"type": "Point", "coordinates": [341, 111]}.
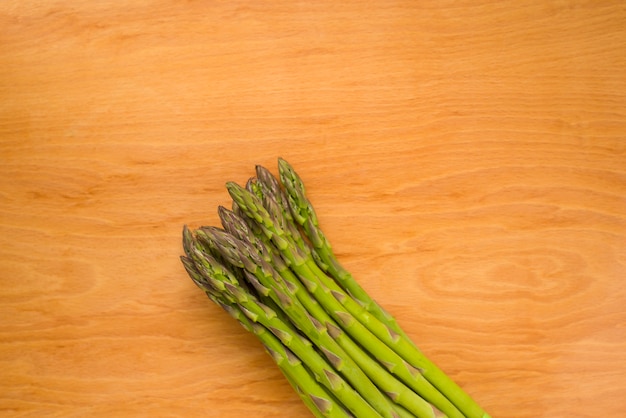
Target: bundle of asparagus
{"type": "Point", "coordinates": [271, 267]}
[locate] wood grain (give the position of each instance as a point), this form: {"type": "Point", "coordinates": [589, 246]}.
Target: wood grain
{"type": "Point", "coordinates": [467, 161]}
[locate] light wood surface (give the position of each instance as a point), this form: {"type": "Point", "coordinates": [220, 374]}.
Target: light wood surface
{"type": "Point", "coordinates": [467, 161]}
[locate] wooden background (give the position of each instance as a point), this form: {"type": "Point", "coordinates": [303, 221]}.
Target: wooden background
{"type": "Point", "coordinates": [467, 160]}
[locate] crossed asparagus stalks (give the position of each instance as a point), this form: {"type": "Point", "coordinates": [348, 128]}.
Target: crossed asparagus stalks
{"type": "Point", "coordinates": [271, 267]}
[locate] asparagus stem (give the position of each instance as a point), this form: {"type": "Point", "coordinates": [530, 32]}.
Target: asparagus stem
{"type": "Point", "coordinates": [270, 193]}
{"type": "Point", "coordinates": [379, 375]}
{"type": "Point", "coordinates": [269, 283]}
{"type": "Point", "coordinates": [309, 401]}
{"type": "Point", "coordinates": [304, 214]}
{"type": "Point", "coordinates": [394, 388]}
{"type": "Point", "coordinates": [361, 331]}
{"type": "Point", "coordinates": [216, 278]}
{"type": "Point", "coordinates": [318, 400]}
{"type": "Point", "coordinates": [393, 362]}
{"type": "Point", "coordinates": [335, 301]}
{"type": "Point", "coordinates": [311, 391]}
{"type": "Point", "coordinates": [273, 269]}
{"type": "Point", "coordinates": [276, 202]}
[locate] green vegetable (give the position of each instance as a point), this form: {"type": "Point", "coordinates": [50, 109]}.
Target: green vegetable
{"type": "Point", "coordinates": [272, 268]}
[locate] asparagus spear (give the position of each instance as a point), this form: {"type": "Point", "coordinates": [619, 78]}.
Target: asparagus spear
{"type": "Point", "coordinates": [304, 214]}
{"type": "Point", "coordinates": [321, 403]}
{"type": "Point", "coordinates": [275, 200]}
{"type": "Point", "coordinates": [216, 278]}
{"type": "Point", "coordinates": [284, 260]}
{"type": "Point", "coordinates": [318, 282]}
{"type": "Point", "coordinates": [269, 283]}
{"type": "Point", "coordinates": [393, 363]}
{"type": "Point", "coordinates": [382, 377]}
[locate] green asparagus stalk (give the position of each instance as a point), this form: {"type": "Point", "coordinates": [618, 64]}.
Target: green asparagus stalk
{"type": "Point", "coordinates": [394, 364]}
{"type": "Point", "coordinates": [214, 277]}
{"type": "Point", "coordinates": [382, 377]}
{"type": "Point", "coordinates": [317, 406]}
{"type": "Point", "coordinates": [269, 283]}
{"type": "Point", "coordinates": [275, 200]}
{"type": "Point", "coordinates": [268, 190]}
{"type": "Point", "coordinates": [321, 403]}
{"type": "Point", "coordinates": [273, 269]}
{"type": "Point", "coordinates": [318, 282]}
{"type": "Point", "coordinates": [304, 214]}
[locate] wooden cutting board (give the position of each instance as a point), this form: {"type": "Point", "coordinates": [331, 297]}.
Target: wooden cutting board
{"type": "Point", "coordinates": [467, 161]}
